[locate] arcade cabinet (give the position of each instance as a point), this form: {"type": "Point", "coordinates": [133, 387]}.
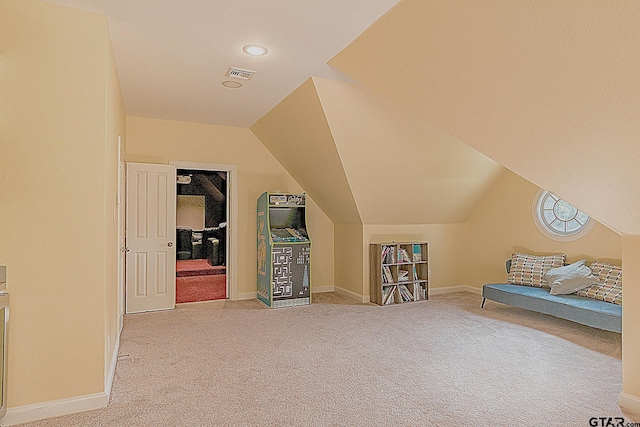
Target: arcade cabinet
{"type": "Point", "coordinates": [283, 250]}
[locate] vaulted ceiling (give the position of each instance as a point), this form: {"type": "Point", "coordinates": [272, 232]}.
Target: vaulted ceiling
{"type": "Point", "coordinates": [547, 89]}
{"type": "Point", "coordinates": [365, 159]}
{"type": "Point", "coordinates": [297, 133]}
{"type": "Point", "coordinates": [172, 56]}
{"type": "Point", "coordinates": [551, 90]}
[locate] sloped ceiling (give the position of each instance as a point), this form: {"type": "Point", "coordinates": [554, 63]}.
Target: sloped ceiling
{"type": "Point", "coordinates": [401, 169]}
{"type": "Point", "coordinates": [172, 56]}
{"type": "Point", "coordinates": [551, 90]}
{"type": "Point", "coordinates": [297, 134]}
{"type": "Point", "coordinates": [366, 160]}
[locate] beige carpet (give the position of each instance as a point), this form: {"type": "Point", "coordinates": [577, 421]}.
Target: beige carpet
{"type": "Point", "coordinates": [442, 362]}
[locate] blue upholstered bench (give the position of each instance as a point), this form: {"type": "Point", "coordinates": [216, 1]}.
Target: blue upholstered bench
{"type": "Point", "coordinates": [587, 311]}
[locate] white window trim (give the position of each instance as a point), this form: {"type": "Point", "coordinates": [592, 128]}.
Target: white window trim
{"type": "Point", "coordinates": [550, 233]}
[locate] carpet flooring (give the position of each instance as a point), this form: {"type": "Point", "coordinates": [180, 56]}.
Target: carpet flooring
{"type": "Point", "coordinates": [201, 288]}
{"type": "Point", "coordinates": [441, 362]}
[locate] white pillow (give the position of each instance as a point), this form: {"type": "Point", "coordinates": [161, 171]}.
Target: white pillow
{"type": "Point", "coordinates": [570, 278]}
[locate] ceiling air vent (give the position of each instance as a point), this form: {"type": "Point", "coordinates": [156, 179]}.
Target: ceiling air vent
{"type": "Point", "coordinates": [240, 73]}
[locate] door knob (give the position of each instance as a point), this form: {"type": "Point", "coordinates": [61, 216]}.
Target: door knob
{"type": "Point", "coordinates": [170, 244]}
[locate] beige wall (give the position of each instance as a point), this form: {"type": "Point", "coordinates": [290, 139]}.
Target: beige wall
{"type": "Point", "coordinates": [348, 260]}
{"type": "Point", "coordinates": [53, 212]}
{"type": "Point", "coordinates": [161, 141]}
{"type": "Point", "coordinates": [503, 224]}
{"type": "Point", "coordinates": [631, 316]}
{"type": "Point", "coordinates": [321, 231]}
{"type": "Point", "coordinates": [297, 133]}
{"type": "Point", "coordinates": [401, 169]}
{"type": "Point", "coordinates": [542, 88]}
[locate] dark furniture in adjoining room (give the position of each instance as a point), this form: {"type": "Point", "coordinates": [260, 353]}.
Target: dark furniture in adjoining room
{"type": "Point", "coordinates": [197, 247]}
{"type": "Point", "coordinates": [212, 246]}
{"type": "Point", "coordinates": [184, 247]}
{"type": "Point", "coordinates": [214, 240]}
{"type": "Point", "coordinates": [189, 243]}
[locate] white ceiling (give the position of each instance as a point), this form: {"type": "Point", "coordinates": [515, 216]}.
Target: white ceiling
{"type": "Point", "coordinates": [173, 55]}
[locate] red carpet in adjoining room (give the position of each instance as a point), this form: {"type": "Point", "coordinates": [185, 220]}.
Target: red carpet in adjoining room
{"type": "Point", "coordinates": [197, 267]}
{"type": "Point", "coordinates": [198, 281]}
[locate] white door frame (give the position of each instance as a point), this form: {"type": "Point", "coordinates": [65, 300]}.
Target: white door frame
{"type": "Point", "coordinates": [232, 217]}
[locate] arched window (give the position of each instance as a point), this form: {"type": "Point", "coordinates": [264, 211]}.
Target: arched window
{"type": "Point", "coordinates": [558, 219]}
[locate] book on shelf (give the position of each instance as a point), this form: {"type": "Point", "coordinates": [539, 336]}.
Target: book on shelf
{"type": "Point", "coordinates": [403, 276]}
{"type": "Point", "coordinates": [388, 295]}
{"type": "Point", "coordinates": [417, 252]}
{"type": "Point", "coordinates": [419, 292]}
{"type": "Point", "coordinates": [415, 273]}
{"type": "Point", "coordinates": [387, 277]}
{"type": "Point", "coordinates": [403, 255]}
{"type": "Point", "coordinates": [388, 254]}
{"type": "Point", "coordinates": [405, 293]}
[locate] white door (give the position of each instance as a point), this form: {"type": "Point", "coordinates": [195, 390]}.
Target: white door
{"type": "Point", "coordinates": [151, 231]}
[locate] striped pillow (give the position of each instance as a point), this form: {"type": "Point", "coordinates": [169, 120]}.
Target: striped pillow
{"type": "Point", "coordinates": [528, 270]}
{"type": "Point", "coordinates": [610, 289]}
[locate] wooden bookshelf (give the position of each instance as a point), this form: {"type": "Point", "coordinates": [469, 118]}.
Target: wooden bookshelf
{"type": "Point", "coordinates": [398, 272]}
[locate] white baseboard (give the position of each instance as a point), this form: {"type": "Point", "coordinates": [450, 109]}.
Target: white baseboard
{"type": "Point", "coordinates": [321, 289]}
{"type": "Point", "coordinates": [247, 295]}
{"type": "Point", "coordinates": [55, 408]}
{"type": "Point", "coordinates": [629, 402]}
{"type": "Point", "coordinates": [452, 289]}
{"type": "Point", "coordinates": [108, 381]}
{"type": "Point", "coordinates": [351, 294]}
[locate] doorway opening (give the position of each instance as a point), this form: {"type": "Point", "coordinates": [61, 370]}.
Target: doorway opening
{"type": "Point", "coordinates": [202, 212]}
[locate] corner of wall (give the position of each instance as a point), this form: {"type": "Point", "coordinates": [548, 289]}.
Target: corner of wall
{"type": "Point", "coordinates": [630, 321]}
{"type": "Point", "coordinates": [629, 402]}
{"type": "Point", "coordinates": [348, 260]}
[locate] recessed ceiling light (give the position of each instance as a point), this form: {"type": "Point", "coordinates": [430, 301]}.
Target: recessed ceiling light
{"type": "Point", "coordinates": [231, 84]}
{"type": "Point", "coordinates": [255, 50]}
